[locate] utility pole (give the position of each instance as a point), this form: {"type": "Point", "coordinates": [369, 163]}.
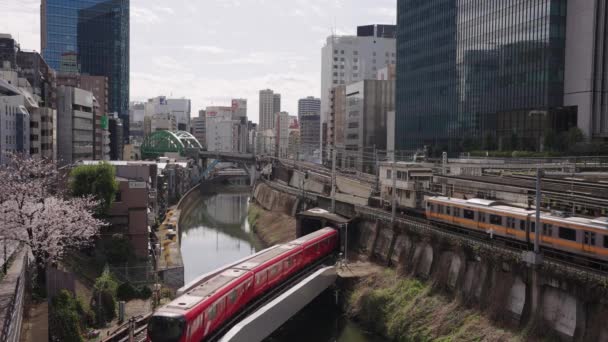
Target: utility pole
{"type": "Point", "coordinates": [333, 180]}
{"type": "Point", "coordinates": [377, 170]}
{"type": "Point", "coordinates": [537, 229]}
{"type": "Point", "coordinates": [394, 202]}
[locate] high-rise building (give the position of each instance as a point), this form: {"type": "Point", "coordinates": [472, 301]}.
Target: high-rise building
{"type": "Point", "coordinates": [348, 59]}
{"type": "Point", "coordinates": [8, 50]}
{"type": "Point", "coordinates": [281, 133]}
{"type": "Point", "coordinates": [310, 135]}
{"type": "Point", "coordinates": [99, 86]}
{"type": "Point", "coordinates": [505, 82]}
{"type": "Point", "coordinates": [115, 128]}
{"type": "Point", "coordinates": [309, 105]}
{"type": "Point", "coordinates": [220, 132]}
{"type": "Point", "coordinates": [276, 103]}
{"type": "Point", "coordinates": [14, 120]}
{"type": "Point", "coordinates": [76, 123]}
{"type": "Point", "coordinates": [368, 103]}
{"type": "Point", "coordinates": [199, 125]}
{"type": "Point", "coordinates": [90, 37]}
{"type": "Point", "coordinates": [337, 117]}
{"type": "Point", "coordinates": [226, 128]}
{"type": "Point", "coordinates": [180, 109]}
{"type": "Point", "coordinates": [270, 104]}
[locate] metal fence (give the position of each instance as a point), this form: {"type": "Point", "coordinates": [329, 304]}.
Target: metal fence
{"type": "Point", "coordinates": [11, 329]}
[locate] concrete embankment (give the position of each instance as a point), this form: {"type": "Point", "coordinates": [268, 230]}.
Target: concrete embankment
{"type": "Point", "coordinates": [170, 265]}
{"type": "Point", "coordinates": [271, 216]}
{"type": "Point", "coordinates": [438, 287]}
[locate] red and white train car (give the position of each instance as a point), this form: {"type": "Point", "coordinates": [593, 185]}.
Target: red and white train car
{"type": "Point", "coordinates": [198, 313]}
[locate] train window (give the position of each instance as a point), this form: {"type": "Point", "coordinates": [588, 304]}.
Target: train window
{"type": "Point", "coordinates": [469, 214]}
{"type": "Point", "coordinates": [212, 312]}
{"type": "Point", "coordinates": [232, 296]}
{"type": "Point", "coordinates": [590, 238]}
{"type": "Point", "coordinates": [510, 222]}
{"type": "Point", "coordinates": [533, 227]}
{"type": "Point", "coordinates": [447, 210]}
{"type": "Point", "coordinates": [495, 219]}
{"type": "Point", "coordinates": [432, 207]}
{"type": "Point", "coordinates": [482, 217]}
{"type": "Point", "coordinates": [522, 225]}
{"type": "Point", "coordinates": [547, 229]}
{"type": "Point", "coordinates": [567, 234]}
{"type": "Point", "coordinates": [259, 278]}
{"type": "Point", "coordinates": [605, 241]}
{"type": "Point", "coordinates": [456, 212]}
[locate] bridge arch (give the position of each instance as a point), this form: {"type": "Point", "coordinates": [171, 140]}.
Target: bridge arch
{"type": "Point", "coordinates": [161, 142]}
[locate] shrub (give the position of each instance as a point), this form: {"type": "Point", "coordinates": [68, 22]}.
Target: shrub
{"type": "Point", "coordinates": [126, 292]}
{"type": "Point", "coordinates": [64, 320]}
{"type": "Point", "coordinates": [95, 180]}
{"type": "Point", "coordinates": [118, 249]}
{"type": "Point", "coordinates": [104, 298]}
{"type": "Point", "coordinates": [144, 293]}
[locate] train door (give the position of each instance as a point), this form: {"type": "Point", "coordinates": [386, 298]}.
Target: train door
{"type": "Point", "coordinates": [589, 242]}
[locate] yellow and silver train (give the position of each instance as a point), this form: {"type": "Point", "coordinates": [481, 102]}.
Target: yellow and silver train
{"type": "Point", "coordinates": [576, 235]}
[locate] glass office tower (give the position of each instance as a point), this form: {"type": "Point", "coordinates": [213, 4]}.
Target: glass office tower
{"type": "Point", "coordinates": [480, 73]}
{"type": "Point", "coordinates": [90, 37]}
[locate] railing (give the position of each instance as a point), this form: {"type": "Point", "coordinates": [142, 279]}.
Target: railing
{"type": "Point", "coordinates": [11, 329]}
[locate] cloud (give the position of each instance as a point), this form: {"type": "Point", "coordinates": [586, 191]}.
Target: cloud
{"type": "Point", "coordinates": [144, 15]}
{"type": "Point", "coordinates": [206, 48]}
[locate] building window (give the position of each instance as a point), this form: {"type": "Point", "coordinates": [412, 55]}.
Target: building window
{"type": "Point", "coordinates": [388, 174]}
{"type": "Point", "coordinates": [374, 54]}
{"type": "Point", "coordinates": [355, 60]}
{"type": "Point", "coordinates": [356, 53]}
{"type": "Point", "coordinates": [342, 52]}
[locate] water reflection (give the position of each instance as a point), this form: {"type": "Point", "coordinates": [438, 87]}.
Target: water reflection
{"type": "Point", "coordinates": [215, 233]}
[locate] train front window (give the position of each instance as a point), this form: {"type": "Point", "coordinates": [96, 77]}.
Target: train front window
{"type": "Point", "coordinates": [166, 328]}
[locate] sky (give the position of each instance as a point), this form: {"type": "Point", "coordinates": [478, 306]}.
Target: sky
{"type": "Point", "coordinates": [211, 51]}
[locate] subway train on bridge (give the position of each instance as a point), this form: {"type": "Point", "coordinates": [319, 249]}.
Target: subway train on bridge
{"type": "Point", "coordinates": [573, 237]}
{"type": "Point", "coordinates": [200, 312]}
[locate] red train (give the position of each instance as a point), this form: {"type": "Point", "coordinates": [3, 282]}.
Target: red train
{"type": "Point", "coordinates": [196, 314]}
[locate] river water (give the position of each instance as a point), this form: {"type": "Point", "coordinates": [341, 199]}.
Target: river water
{"type": "Point", "coordinates": [216, 232]}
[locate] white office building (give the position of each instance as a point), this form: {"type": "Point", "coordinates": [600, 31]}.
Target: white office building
{"type": "Point", "coordinates": [178, 108]}
{"type": "Point", "coordinates": [270, 104]}
{"type": "Point", "coordinates": [349, 59]}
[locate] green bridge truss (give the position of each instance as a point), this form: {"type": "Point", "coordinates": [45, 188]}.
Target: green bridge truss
{"type": "Point", "coordinates": [161, 142]}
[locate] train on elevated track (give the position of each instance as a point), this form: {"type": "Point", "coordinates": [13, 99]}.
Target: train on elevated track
{"type": "Point", "coordinates": [578, 237]}
{"type": "Point", "coordinates": [200, 312]}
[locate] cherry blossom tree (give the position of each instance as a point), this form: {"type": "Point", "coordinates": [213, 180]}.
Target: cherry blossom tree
{"type": "Point", "coordinates": [35, 210]}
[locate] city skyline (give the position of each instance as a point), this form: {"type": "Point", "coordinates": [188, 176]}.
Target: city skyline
{"type": "Point", "coordinates": [223, 60]}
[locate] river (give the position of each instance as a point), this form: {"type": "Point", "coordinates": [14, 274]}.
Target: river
{"type": "Point", "coordinates": [216, 232]}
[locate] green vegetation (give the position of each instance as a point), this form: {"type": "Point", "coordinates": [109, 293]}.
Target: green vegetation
{"type": "Point", "coordinates": [252, 216]}
{"type": "Point", "coordinates": [65, 322]}
{"type": "Point", "coordinates": [118, 249]}
{"type": "Point", "coordinates": [98, 181]}
{"type": "Point", "coordinates": [407, 310]}
{"type": "Point", "coordinates": [103, 302]}
{"type": "Point", "coordinates": [128, 292]}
